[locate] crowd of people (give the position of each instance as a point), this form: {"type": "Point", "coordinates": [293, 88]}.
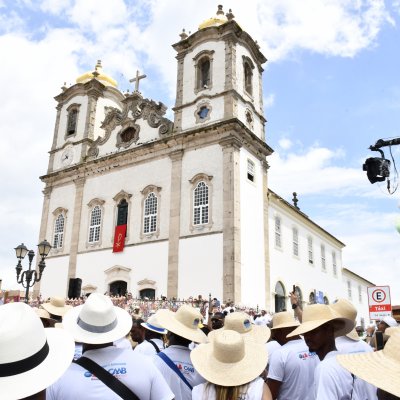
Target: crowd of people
{"type": "Point", "coordinates": [104, 347]}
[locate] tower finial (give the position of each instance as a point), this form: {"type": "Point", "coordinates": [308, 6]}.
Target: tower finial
{"type": "Point", "coordinates": [220, 11]}
{"type": "Point", "coordinates": [295, 200]}
{"type": "Point", "coordinates": [229, 15]}
{"type": "Point", "coordinates": [183, 35]}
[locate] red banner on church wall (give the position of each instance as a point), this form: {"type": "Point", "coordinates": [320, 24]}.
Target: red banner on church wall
{"type": "Point", "coordinates": [119, 238]}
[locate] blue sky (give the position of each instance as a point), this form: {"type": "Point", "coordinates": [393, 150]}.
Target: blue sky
{"type": "Point", "coordinates": [331, 89]}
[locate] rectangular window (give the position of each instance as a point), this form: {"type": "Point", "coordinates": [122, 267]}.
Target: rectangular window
{"type": "Point", "coordinates": [200, 208]}
{"type": "Point", "coordinates": [251, 170]}
{"type": "Point", "coordinates": [278, 241]}
{"type": "Point", "coordinates": [323, 261]}
{"type": "Point", "coordinates": [295, 242]}
{"type": "Point", "coordinates": [150, 213]}
{"type": "Point", "coordinates": [349, 289]}
{"type": "Point", "coordinates": [360, 293]}
{"type": "Point", "coordinates": [59, 232]}
{"type": "Point", "coordinates": [310, 250]}
{"type": "Point", "coordinates": [95, 224]}
{"type": "Point", "coordinates": [334, 267]}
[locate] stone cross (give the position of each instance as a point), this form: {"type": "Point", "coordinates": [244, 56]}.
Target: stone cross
{"type": "Point", "coordinates": [137, 79]}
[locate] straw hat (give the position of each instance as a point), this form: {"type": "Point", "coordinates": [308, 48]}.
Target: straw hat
{"type": "Point", "coordinates": [56, 306]}
{"type": "Point", "coordinates": [229, 360]}
{"type": "Point", "coordinates": [184, 322]}
{"type": "Point", "coordinates": [31, 357]}
{"type": "Point", "coordinates": [316, 315]}
{"type": "Point", "coordinates": [346, 309]}
{"type": "Point", "coordinates": [284, 319]}
{"type": "Point", "coordinates": [380, 368]}
{"type": "Point", "coordinates": [153, 325]}
{"type": "Point", "coordinates": [240, 322]}
{"type": "Point", "coordinates": [97, 321]}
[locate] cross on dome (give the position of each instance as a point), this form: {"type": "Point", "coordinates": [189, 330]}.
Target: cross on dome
{"type": "Point", "coordinates": [137, 79]}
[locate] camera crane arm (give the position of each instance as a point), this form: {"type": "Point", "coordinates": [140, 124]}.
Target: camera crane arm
{"type": "Point", "coordinates": [383, 143]}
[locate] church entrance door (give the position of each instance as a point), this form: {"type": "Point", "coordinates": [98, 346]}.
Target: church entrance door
{"type": "Point", "coordinates": [149, 293]}
{"type": "Point", "coordinates": [118, 288]}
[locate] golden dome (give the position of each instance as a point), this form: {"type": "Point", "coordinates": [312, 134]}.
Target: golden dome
{"type": "Point", "coordinates": [97, 74]}
{"type": "Point", "coordinates": [219, 19]}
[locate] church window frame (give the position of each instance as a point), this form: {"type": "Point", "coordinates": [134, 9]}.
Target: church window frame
{"type": "Point", "coordinates": [95, 222]}
{"type": "Point", "coordinates": [59, 224]}
{"type": "Point", "coordinates": [201, 202]}
{"type": "Point", "coordinates": [334, 264]}
{"type": "Point", "coordinates": [278, 231]}
{"type": "Point", "coordinates": [122, 197]}
{"type": "Point", "coordinates": [295, 241]}
{"type": "Point", "coordinates": [71, 127]}
{"type": "Point", "coordinates": [198, 112]}
{"type": "Point", "coordinates": [202, 61]}
{"type": "Point", "coordinates": [323, 258]}
{"type": "Point", "coordinates": [151, 202]}
{"type": "Point", "coordinates": [349, 290]}
{"type": "Point", "coordinates": [248, 67]}
{"type": "Point", "coordinates": [251, 170]}
{"type": "Point", "coordinates": [310, 249]}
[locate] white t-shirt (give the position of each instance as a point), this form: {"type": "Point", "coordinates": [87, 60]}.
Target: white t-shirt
{"type": "Point", "coordinates": [331, 380]}
{"type": "Point", "coordinates": [293, 365]}
{"type": "Point", "coordinates": [205, 391]}
{"type": "Point", "coordinates": [362, 390]}
{"type": "Point", "coordinates": [180, 355]}
{"type": "Point", "coordinates": [132, 369]}
{"type": "Point", "coordinates": [148, 349]}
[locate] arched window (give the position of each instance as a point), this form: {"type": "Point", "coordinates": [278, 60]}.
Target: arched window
{"type": "Point", "coordinates": [72, 120]}
{"type": "Point", "coordinates": [150, 213]}
{"type": "Point", "coordinates": [311, 298]}
{"type": "Point", "coordinates": [200, 204]}
{"type": "Point", "coordinates": [280, 301]}
{"type": "Point", "coordinates": [58, 240]}
{"type": "Point", "coordinates": [204, 73]}
{"type": "Point", "coordinates": [95, 225]}
{"type": "Point", "coordinates": [248, 78]}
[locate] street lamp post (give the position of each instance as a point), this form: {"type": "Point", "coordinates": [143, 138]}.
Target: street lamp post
{"type": "Point", "coordinates": [29, 277]}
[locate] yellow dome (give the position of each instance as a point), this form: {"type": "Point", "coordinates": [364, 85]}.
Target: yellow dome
{"type": "Point", "coordinates": [219, 19]}
{"type": "Point", "coordinates": [97, 74]}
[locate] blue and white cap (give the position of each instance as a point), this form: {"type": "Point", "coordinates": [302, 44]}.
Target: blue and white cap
{"type": "Point", "coordinates": [152, 325]}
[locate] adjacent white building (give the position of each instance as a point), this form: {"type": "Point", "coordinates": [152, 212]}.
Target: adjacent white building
{"type": "Point", "coordinates": [187, 199]}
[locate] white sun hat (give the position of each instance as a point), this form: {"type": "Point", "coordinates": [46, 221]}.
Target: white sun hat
{"type": "Point", "coordinates": [184, 322]}
{"type": "Point", "coordinates": [31, 357]}
{"type": "Point", "coordinates": [316, 315]}
{"type": "Point", "coordinates": [380, 368]}
{"type": "Point", "coordinates": [152, 324]}
{"type": "Point", "coordinates": [56, 306]}
{"type": "Point", "coordinates": [97, 321]}
{"type": "Point", "coordinates": [229, 360]}
{"type": "Point", "coordinates": [240, 322]}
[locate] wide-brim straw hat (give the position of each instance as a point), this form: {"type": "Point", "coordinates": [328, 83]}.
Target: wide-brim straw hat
{"type": "Point", "coordinates": [57, 306]}
{"type": "Point", "coordinates": [97, 321]}
{"type": "Point", "coordinates": [344, 308]}
{"type": "Point", "coordinates": [379, 368]}
{"type": "Point", "coordinates": [316, 315]}
{"type": "Point", "coordinates": [229, 360]}
{"type": "Point", "coordinates": [47, 352]}
{"type": "Point", "coordinates": [240, 322]}
{"type": "Point", "coordinates": [153, 325]}
{"type": "Point", "coordinates": [184, 322]}
{"type": "Point", "coordinates": [284, 319]}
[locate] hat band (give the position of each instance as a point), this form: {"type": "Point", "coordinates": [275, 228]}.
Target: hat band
{"type": "Point", "coordinates": [26, 364]}
{"type": "Point", "coordinates": [95, 328]}
{"type": "Point", "coordinates": [155, 328]}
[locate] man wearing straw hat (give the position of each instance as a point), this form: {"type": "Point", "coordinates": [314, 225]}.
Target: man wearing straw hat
{"type": "Point", "coordinates": [154, 334]}
{"type": "Point", "coordinates": [31, 357]}
{"type": "Point", "coordinates": [56, 307]}
{"type": "Point", "coordinates": [97, 324]}
{"type": "Point", "coordinates": [320, 326]}
{"type": "Point", "coordinates": [380, 368]}
{"type": "Point", "coordinates": [292, 366]}
{"type": "Point", "coordinates": [174, 362]}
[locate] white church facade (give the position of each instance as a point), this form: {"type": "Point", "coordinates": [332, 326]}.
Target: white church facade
{"type": "Point", "coordinates": [135, 202]}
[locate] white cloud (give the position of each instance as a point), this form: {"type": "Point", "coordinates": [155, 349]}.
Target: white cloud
{"type": "Point", "coordinates": [285, 143]}
{"type": "Point", "coordinates": [269, 100]}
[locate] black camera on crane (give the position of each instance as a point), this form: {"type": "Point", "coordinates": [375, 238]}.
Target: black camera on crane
{"type": "Point", "coordinates": [378, 169]}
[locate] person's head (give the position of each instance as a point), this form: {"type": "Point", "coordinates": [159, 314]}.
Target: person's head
{"type": "Point", "coordinates": [184, 322]}
{"type": "Point", "coordinates": [97, 322]}
{"type": "Point", "coordinates": [31, 357]}
{"type": "Point", "coordinates": [320, 326]}
{"type": "Point", "coordinates": [137, 330]}
{"type": "Point", "coordinates": [240, 322]}
{"type": "Point", "coordinates": [152, 329]}
{"type": "Point", "coordinates": [386, 322]}
{"type": "Point", "coordinates": [217, 320]}
{"type": "Point", "coordinates": [283, 323]}
{"type": "Point", "coordinates": [229, 362]}
{"type": "Point", "coordinates": [380, 368]}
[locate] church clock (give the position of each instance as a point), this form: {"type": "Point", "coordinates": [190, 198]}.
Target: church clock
{"type": "Point", "coordinates": [67, 156]}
